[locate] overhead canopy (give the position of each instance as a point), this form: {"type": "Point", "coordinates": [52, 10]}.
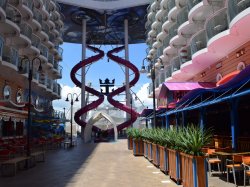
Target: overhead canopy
{"type": "Point", "coordinates": [104, 26]}
{"type": "Point", "coordinates": [146, 112]}
{"type": "Point", "coordinates": [183, 86]}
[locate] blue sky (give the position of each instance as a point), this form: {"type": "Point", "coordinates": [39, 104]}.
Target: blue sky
{"type": "Point", "coordinates": [101, 69]}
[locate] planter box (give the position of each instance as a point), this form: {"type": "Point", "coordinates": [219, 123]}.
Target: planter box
{"type": "Point", "coordinates": [150, 151]}
{"type": "Point", "coordinates": [163, 157]}
{"type": "Point", "coordinates": [130, 143]}
{"type": "Point", "coordinates": [194, 171]}
{"type": "Point", "coordinates": [174, 165]}
{"type": "Point", "coordinates": [155, 154]}
{"type": "Point", "coordinates": [145, 149]}
{"type": "Point", "coordinates": [138, 148]}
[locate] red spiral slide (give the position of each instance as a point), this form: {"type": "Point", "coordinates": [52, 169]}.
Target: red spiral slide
{"type": "Point", "coordinates": [115, 103]}
{"type": "Point", "coordinates": [95, 103]}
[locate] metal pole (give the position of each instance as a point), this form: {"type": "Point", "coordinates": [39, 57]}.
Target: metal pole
{"type": "Point", "coordinates": [153, 84]}
{"type": "Point", "coordinates": [29, 113]}
{"type": "Point", "coordinates": [83, 102]}
{"type": "Point", "coordinates": [71, 125]}
{"type": "Point", "coordinates": [126, 68]}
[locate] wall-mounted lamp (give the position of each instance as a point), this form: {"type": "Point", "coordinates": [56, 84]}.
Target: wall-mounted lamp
{"type": "Point", "coordinates": [240, 53]}
{"type": "Point", "coordinates": [203, 74]}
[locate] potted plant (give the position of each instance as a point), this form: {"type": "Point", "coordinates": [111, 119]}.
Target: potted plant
{"type": "Point", "coordinates": [145, 134]}
{"type": "Point", "coordinates": [130, 139]}
{"type": "Point", "coordinates": [138, 148]}
{"type": "Point", "coordinates": [191, 141]}
{"type": "Point", "coordinates": [163, 152]}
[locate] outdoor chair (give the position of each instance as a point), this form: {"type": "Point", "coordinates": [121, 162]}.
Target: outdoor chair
{"type": "Point", "coordinates": [234, 165]}
{"type": "Point", "coordinates": [212, 159]}
{"type": "Point", "coordinates": [246, 165]}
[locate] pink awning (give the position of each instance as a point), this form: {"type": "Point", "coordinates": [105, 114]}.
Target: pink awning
{"type": "Point", "coordinates": [183, 86]}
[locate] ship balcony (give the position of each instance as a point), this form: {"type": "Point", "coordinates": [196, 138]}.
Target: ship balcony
{"type": "Point", "coordinates": [49, 85]}
{"type": "Point", "coordinates": [51, 60]}
{"type": "Point", "coordinates": [236, 7]}
{"type": "Point", "coordinates": [57, 70]}
{"type": "Point", "coordinates": [10, 57]}
{"type": "Point", "coordinates": [45, 10]}
{"type": "Point", "coordinates": [185, 54]}
{"type": "Point", "coordinates": [216, 24]}
{"type": "Point", "coordinates": [1, 47]}
{"type": "Point", "coordinates": [198, 41]}
{"type": "Point", "coordinates": [59, 53]}
{"type": "Point", "coordinates": [192, 3]}
{"type": "Point", "coordinates": [52, 5]}
{"type": "Point", "coordinates": [44, 52]}
{"type": "Point", "coordinates": [176, 64]}
{"type": "Point", "coordinates": [3, 4]}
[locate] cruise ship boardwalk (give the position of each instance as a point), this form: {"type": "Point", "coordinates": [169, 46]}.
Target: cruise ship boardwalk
{"type": "Point", "coordinates": [93, 165]}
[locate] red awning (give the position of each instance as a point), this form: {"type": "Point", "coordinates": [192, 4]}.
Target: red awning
{"type": "Point", "coordinates": [183, 86]}
{"type": "Point", "coordinates": [227, 77]}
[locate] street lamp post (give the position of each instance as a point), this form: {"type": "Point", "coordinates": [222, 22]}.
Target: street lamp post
{"type": "Point", "coordinates": [30, 76]}
{"type": "Point", "coordinates": [71, 116]}
{"type": "Point", "coordinates": [152, 75]}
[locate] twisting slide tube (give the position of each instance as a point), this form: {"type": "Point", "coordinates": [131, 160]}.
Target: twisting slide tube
{"type": "Point", "coordinates": [115, 103]}
{"type": "Point", "coordinates": [100, 96]}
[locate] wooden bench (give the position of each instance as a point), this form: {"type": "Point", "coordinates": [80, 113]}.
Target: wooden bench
{"type": "Point", "coordinates": [13, 163]}
{"type": "Point", "coordinates": [37, 155]}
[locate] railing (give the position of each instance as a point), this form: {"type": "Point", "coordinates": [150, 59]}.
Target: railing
{"type": "Point", "coordinates": [44, 51]}
{"type": "Point", "coordinates": [159, 51]}
{"type": "Point", "coordinates": [3, 4]}
{"type": "Point", "coordinates": [59, 89]}
{"type": "Point", "coordinates": [25, 29]}
{"type": "Point", "coordinates": [54, 17]}
{"type": "Point", "coordinates": [43, 79]}
{"type": "Point", "coordinates": [37, 16]}
{"type": "Point", "coordinates": [1, 45]}
{"type": "Point", "coordinates": [49, 84]}
{"type": "Point", "coordinates": [173, 31]}
{"type": "Point", "coordinates": [46, 5]}
{"type": "Point", "coordinates": [51, 59]}
{"type": "Point", "coordinates": [235, 7]}
{"type": "Point", "coordinates": [192, 3]}
{"type": "Point", "coordinates": [12, 14]}
{"type": "Point", "coordinates": [51, 38]}
{"type": "Point", "coordinates": [182, 17]}
{"type": "Point", "coordinates": [55, 87]}
{"type": "Point", "coordinates": [185, 54]}
{"type": "Point", "coordinates": [198, 41]}
{"type": "Point", "coordinates": [175, 62]}
{"type": "Point", "coordinates": [35, 41]}
{"type": "Point", "coordinates": [60, 70]}
{"type": "Point", "coordinates": [59, 50]}
{"type": "Point", "coordinates": [29, 3]}
{"type": "Point", "coordinates": [171, 4]}
{"type": "Point", "coordinates": [217, 23]}
{"type": "Point", "coordinates": [36, 75]}
{"type": "Point", "coordinates": [168, 72]}
{"type": "Point", "coordinates": [10, 55]}
{"type": "Point", "coordinates": [45, 27]}
{"type": "Point", "coordinates": [166, 42]}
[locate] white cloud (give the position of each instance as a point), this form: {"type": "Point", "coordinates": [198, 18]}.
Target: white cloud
{"type": "Point", "coordinates": [61, 103]}
{"type": "Point", "coordinates": [142, 94]}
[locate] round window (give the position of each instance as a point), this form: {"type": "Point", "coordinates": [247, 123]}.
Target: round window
{"type": "Point", "coordinates": [241, 66]}
{"type": "Point", "coordinates": [19, 96]}
{"type": "Point", "coordinates": [6, 92]}
{"type": "Point", "coordinates": [218, 77]}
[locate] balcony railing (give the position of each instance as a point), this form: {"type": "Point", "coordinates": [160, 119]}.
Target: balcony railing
{"type": "Point", "coordinates": [198, 41]}
{"type": "Point", "coordinates": [166, 42]}
{"type": "Point", "coordinates": [173, 31]}
{"type": "Point", "coordinates": [51, 38]}
{"type": "Point", "coordinates": [44, 51]}
{"type": "Point", "coordinates": [37, 16]}
{"type": "Point", "coordinates": [49, 84]}
{"type": "Point", "coordinates": [192, 3]}
{"type": "Point", "coordinates": [59, 50]}
{"type": "Point", "coordinates": [51, 59]}
{"type": "Point", "coordinates": [54, 17]}
{"type": "Point", "coordinates": [59, 69]}
{"type": "Point", "coordinates": [59, 89]}
{"type": "Point", "coordinates": [168, 72]}
{"type": "Point", "coordinates": [185, 54]}
{"type": "Point", "coordinates": [29, 3]}
{"type": "Point", "coordinates": [235, 7]}
{"type": "Point", "coordinates": [217, 24]}
{"type": "Point", "coordinates": [35, 41]}
{"type": "Point", "coordinates": [175, 62]}
{"type": "Point", "coordinates": [10, 55]}
{"type": "Point", "coordinates": [12, 14]}
{"type": "Point", "coordinates": [171, 4]}
{"type": "Point", "coordinates": [162, 77]}
{"type": "Point", "coordinates": [182, 17]}
{"type": "Point", "coordinates": [45, 27]}
{"type": "Point", "coordinates": [46, 5]}
{"type": "Point", "coordinates": [25, 29]}
{"type": "Point", "coordinates": [1, 45]}
{"type": "Point", "coordinates": [3, 4]}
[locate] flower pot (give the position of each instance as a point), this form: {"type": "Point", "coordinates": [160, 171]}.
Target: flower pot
{"type": "Point", "coordinates": [149, 151]}
{"type": "Point", "coordinates": [130, 143]}
{"type": "Point", "coordinates": [174, 165]}
{"type": "Point", "coordinates": [145, 149]}
{"type": "Point", "coordinates": [155, 154]}
{"type": "Point", "coordinates": [163, 157]}
{"type": "Point", "coordinates": [138, 148]}
{"type": "Point", "coordinates": [194, 171]}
